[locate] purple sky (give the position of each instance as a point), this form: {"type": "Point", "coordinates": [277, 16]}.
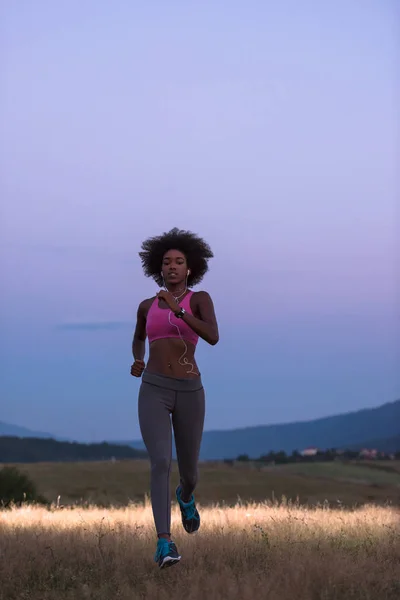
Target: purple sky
{"type": "Point", "coordinates": [267, 127]}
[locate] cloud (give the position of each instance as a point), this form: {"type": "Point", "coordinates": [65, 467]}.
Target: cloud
{"type": "Point", "coordinates": [93, 326]}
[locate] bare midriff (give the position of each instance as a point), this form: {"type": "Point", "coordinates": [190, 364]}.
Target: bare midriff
{"type": "Point", "coordinates": [166, 358]}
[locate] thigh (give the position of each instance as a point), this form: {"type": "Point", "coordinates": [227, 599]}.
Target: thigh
{"type": "Point", "coordinates": [188, 422]}
{"type": "Point", "coordinates": [154, 408]}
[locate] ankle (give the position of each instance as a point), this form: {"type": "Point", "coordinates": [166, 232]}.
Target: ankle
{"type": "Point", "coordinates": [164, 536]}
{"type": "Point", "coordinates": [186, 499]}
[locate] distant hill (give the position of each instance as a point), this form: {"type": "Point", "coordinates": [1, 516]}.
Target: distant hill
{"type": "Point", "coordinates": [16, 430]}
{"type": "Point", "coordinates": [330, 432]}
{"type": "Point", "coordinates": [29, 450]}
{"type": "Point", "coordinates": [349, 430]}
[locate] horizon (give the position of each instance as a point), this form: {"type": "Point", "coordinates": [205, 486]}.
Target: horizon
{"type": "Point", "coordinates": [111, 441]}
{"type": "Point", "coordinates": [270, 131]}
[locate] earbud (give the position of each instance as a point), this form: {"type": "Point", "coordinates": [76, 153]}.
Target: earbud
{"type": "Point", "coordinates": [188, 272]}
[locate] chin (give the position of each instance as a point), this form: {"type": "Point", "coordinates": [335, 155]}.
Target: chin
{"type": "Point", "coordinates": [177, 282]}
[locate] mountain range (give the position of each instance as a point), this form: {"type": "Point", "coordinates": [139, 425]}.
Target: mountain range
{"type": "Point", "coordinates": [367, 428]}
{"type": "Point", "coordinates": [16, 430]}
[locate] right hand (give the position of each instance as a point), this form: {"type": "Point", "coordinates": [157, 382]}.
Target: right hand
{"type": "Point", "coordinates": [137, 368]}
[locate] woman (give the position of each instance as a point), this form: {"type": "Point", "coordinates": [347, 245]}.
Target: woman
{"type": "Point", "coordinates": [173, 321]}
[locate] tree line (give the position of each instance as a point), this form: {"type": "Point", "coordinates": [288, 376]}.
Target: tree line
{"type": "Point", "coordinates": [332, 454]}
{"type": "Point", "coordinates": [30, 450]}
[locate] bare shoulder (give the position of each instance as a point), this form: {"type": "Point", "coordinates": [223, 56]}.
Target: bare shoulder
{"type": "Point", "coordinates": [147, 301]}
{"type": "Point", "coordinates": [202, 303]}
{"type": "Point", "coordinates": [202, 296]}
{"type": "Point", "coordinates": [203, 307]}
{"type": "Point", "coordinates": [144, 306]}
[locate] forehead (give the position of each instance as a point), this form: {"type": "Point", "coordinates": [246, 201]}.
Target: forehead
{"type": "Point", "coordinates": [174, 254]}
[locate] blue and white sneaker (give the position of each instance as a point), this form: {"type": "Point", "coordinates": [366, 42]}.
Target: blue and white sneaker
{"type": "Point", "coordinates": [166, 554]}
{"type": "Point", "coordinates": [190, 514]}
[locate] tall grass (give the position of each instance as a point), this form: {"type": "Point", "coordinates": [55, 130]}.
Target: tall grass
{"type": "Point", "coordinates": [274, 552]}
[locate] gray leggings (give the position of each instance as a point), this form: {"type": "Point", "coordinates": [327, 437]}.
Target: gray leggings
{"type": "Point", "coordinates": [159, 398]}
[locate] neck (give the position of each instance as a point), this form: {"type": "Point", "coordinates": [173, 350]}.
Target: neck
{"type": "Point", "coordinates": [176, 288]}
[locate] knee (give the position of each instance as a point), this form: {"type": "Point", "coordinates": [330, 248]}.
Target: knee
{"type": "Point", "coordinates": [160, 465]}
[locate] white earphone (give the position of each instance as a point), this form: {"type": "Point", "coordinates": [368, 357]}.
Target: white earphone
{"type": "Point", "coordinates": [188, 273]}
{"type": "Point", "coordinates": [183, 361]}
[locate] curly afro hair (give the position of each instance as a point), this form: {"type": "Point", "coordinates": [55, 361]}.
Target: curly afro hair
{"type": "Point", "coordinates": [196, 250]}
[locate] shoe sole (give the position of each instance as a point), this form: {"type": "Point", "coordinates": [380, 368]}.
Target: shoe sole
{"type": "Point", "coordinates": [192, 531]}
{"type": "Point", "coordinates": [169, 562]}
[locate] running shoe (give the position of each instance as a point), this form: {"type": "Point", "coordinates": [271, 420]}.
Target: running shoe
{"type": "Point", "coordinates": [190, 514]}
{"type": "Point", "coordinates": [166, 554]}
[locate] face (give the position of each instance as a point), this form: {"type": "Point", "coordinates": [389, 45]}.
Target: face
{"type": "Point", "coordinates": [174, 267]}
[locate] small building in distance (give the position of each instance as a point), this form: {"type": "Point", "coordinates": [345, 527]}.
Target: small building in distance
{"type": "Point", "coordinates": [311, 451]}
{"type": "Point", "coordinates": [368, 453]}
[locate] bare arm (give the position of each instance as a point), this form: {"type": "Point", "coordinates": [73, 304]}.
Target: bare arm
{"type": "Point", "coordinates": [139, 337]}
{"type": "Point", "coordinates": [206, 326]}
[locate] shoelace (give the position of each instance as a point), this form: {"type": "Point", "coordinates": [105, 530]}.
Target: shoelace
{"type": "Point", "coordinates": [165, 549]}
{"type": "Point", "coordinates": [190, 511]}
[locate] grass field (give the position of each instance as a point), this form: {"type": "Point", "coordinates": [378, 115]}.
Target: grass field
{"type": "Point", "coordinates": [384, 474]}
{"type": "Point", "coordinates": [243, 552]}
{"type": "Point", "coordinates": [119, 483]}
{"type": "Point", "coordinates": [252, 542]}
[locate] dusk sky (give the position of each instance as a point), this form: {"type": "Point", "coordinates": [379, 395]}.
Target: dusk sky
{"type": "Point", "coordinates": [267, 127]}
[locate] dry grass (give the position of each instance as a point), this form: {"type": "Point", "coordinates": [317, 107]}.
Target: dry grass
{"type": "Point", "coordinates": [274, 552]}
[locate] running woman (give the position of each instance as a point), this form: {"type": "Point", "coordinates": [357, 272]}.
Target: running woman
{"type": "Point", "coordinates": [171, 385]}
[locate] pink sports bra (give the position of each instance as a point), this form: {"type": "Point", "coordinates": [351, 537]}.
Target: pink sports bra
{"type": "Point", "coordinates": [162, 323]}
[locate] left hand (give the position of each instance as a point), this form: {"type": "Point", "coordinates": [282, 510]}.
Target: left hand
{"type": "Point", "coordinates": [169, 300]}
